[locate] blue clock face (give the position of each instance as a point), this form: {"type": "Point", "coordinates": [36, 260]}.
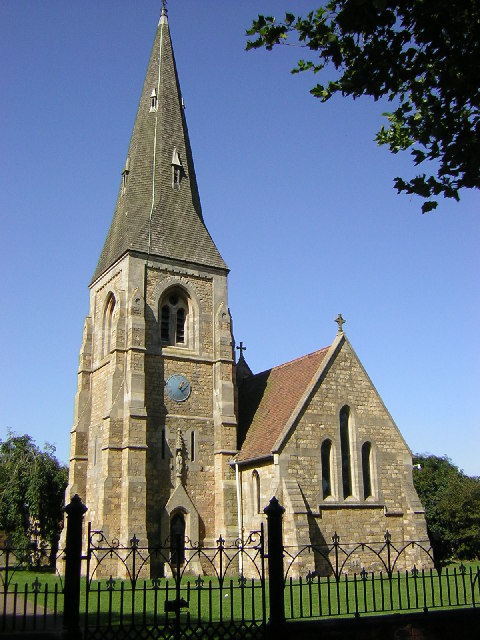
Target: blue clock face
{"type": "Point", "coordinates": [178, 387]}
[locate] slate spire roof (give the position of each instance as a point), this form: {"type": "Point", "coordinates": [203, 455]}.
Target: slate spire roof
{"type": "Point", "coordinates": [158, 211]}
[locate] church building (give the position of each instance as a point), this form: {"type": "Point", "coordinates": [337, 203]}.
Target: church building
{"type": "Point", "coordinates": [170, 431]}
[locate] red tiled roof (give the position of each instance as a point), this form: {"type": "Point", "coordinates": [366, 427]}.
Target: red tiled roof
{"type": "Point", "coordinates": [267, 400]}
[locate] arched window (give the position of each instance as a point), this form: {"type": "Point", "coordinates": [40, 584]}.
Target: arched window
{"type": "Point", "coordinates": [107, 325]}
{"type": "Point", "coordinates": [173, 318]}
{"type": "Point", "coordinates": [192, 446]}
{"type": "Point", "coordinates": [367, 469]}
{"type": "Point", "coordinates": [345, 450]}
{"type": "Point", "coordinates": [256, 491]}
{"type": "Point", "coordinates": [326, 452]}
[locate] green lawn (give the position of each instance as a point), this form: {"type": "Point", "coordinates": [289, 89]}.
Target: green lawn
{"type": "Point", "coordinates": [370, 593]}
{"type": "Point", "coordinates": [116, 603]}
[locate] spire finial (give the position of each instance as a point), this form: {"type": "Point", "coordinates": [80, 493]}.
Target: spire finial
{"type": "Point", "coordinates": [241, 348]}
{"type": "Point", "coordinates": [340, 321]}
{"type": "Point", "coordinates": [163, 15]}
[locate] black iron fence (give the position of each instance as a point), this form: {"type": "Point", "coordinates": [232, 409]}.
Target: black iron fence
{"type": "Point", "coordinates": [373, 593]}
{"type": "Point", "coordinates": [228, 589]}
{"type": "Point", "coordinates": [29, 603]}
{"type": "Point", "coordinates": [199, 588]}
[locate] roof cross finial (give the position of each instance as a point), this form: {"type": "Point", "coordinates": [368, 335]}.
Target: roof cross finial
{"type": "Point", "coordinates": [241, 348]}
{"type": "Point", "coordinates": [164, 8]}
{"type": "Point", "coordinates": [340, 321]}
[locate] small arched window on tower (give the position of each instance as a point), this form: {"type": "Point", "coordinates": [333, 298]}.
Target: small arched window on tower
{"type": "Point", "coordinates": [326, 453]}
{"type": "Point", "coordinates": [345, 449]}
{"type": "Point", "coordinates": [192, 446]}
{"type": "Point", "coordinates": [173, 319]}
{"type": "Point", "coordinates": [255, 492]}
{"type": "Point", "coordinates": [153, 100]}
{"type": "Point", "coordinates": [125, 172]}
{"type": "Point", "coordinates": [176, 170]}
{"type": "Point", "coordinates": [367, 469]}
{"type": "Point", "coordinates": [107, 325]}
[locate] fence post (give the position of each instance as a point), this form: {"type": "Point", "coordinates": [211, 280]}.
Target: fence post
{"type": "Point", "coordinates": [274, 512]}
{"type": "Point", "coordinates": [73, 558]}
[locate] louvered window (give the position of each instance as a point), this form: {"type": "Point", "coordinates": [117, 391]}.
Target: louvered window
{"type": "Point", "coordinates": [173, 319]}
{"type": "Point", "coordinates": [181, 325]}
{"type": "Point", "coordinates": [153, 100]}
{"type": "Point", "coordinates": [165, 323]}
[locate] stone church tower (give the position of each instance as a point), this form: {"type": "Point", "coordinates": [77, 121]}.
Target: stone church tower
{"type": "Point", "coordinates": [154, 426]}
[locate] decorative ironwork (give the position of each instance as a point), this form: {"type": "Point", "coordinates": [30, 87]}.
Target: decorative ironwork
{"type": "Point", "coordinates": [335, 557]}
{"type": "Point", "coordinates": [26, 603]}
{"type": "Point", "coordinates": [228, 590]}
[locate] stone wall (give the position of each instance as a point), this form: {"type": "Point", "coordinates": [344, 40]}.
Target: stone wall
{"type": "Point", "coordinates": [393, 505]}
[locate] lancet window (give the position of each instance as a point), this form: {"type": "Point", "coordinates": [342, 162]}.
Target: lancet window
{"type": "Point", "coordinates": [326, 455]}
{"type": "Point", "coordinates": [345, 451]}
{"type": "Point", "coordinates": [367, 469]}
{"type": "Point", "coordinates": [108, 325]}
{"type": "Point", "coordinates": [256, 492]}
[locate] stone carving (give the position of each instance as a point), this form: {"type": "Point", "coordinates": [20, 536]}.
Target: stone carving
{"type": "Point", "coordinates": [178, 458]}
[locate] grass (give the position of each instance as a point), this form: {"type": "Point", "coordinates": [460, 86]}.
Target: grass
{"type": "Point", "coordinates": [372, 593]}
{"type": "Point", "coordinates": [115, 603]}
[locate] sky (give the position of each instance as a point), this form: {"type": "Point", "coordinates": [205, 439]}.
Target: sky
{"type": "Point", "coordinates": [297, 196]}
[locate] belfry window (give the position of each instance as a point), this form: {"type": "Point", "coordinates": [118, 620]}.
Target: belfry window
{"type": "Point", "coordinates": [165, 323]}
{"type": "Point", "coordinates": [367, 469]}
{"type": "Point", "coordinates": [176, 170]}
{"type": "Point", "coordinates": [173, 319]}
{"type": "Point", "coordinates": [125, 172]}
{"type": "Point", "coordinates": [153, 100]}
{"type": "Point", "coordinates": [326, 452]}
{"type": "Point", "coordinates": [345, 449]}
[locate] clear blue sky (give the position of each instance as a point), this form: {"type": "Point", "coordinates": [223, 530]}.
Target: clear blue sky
{"type": "Point", "coordinates": [296, 194]}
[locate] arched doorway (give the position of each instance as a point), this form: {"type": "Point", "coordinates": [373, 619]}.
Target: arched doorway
{"type": "Point", "coordinates": [177, 538]}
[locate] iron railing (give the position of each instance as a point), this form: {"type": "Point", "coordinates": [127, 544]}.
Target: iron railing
{"type": "Point", "coordinates": [31, 598]}
{"type": "Point", "coordinates": [379, 592]}
{"type": "Point", "coordinates": [176, 603]}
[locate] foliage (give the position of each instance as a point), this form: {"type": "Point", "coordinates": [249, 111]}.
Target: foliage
{"type": "Point", "coordinates": [32, 486]}
{"type": "Point", "coordinates": [422, 56]}
{"type": "Point", "coordinates": [452, 507]}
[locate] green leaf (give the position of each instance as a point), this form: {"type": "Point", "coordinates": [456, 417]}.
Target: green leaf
{"type": "Point", "coordinates": [429, 205]}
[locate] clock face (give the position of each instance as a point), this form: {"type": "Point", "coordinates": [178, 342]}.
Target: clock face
{"type": "Point", "coordinates": [178, 387]}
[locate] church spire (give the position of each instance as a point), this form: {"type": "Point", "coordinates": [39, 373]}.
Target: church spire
{"type": "Point", "coordinates": [158, 211]}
